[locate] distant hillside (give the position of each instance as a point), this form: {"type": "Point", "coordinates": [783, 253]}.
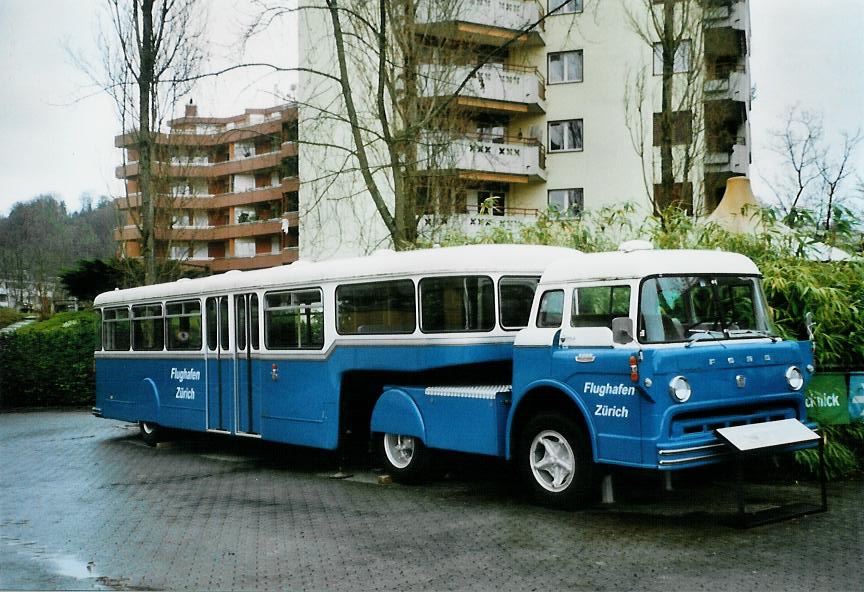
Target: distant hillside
{"type": "Point", "coordinates": [40, 237]}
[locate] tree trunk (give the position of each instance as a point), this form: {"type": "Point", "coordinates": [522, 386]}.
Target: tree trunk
{"type": "Point", "coordinates": [145, 143]}
{"type": "Point", "coordinates": [667, 178]}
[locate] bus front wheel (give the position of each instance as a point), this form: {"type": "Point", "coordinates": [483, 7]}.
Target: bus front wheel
{"type": "Point", "coordinates": [151, 432]}
{"type": "Point", "coordinates": [554, 463]}
{"type": "Point", "coordinates": [406, 457]}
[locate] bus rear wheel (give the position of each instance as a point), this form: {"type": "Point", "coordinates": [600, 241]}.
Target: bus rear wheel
{"type": "Point", "coordinates": [554, 463]}
{"type": "Point", "coordinates": [151, 433]}
{"type": "Point", "coordinates": [406, 457]}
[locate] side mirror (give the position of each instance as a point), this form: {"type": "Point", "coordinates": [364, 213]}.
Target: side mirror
{"type": "Point", "coordinates": [622, 330]}
{"type": "Point", "coordinates": [808, 324]}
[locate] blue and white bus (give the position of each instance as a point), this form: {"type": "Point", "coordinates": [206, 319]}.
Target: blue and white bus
{"type": "Point", "coordinates": [299, 354]}
{"type": "Point", "coordinates": [633, 358]}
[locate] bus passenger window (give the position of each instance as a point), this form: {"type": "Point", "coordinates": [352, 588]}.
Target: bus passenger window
{"type": "Point", "coordinates": [148, 327]}
{"type": "Point", "coordinates": [376, 308]}
{"type": "Point", "coordinates": [515, 295]}
{"type": "Point", "coordinates": [184, 325]}
{"type": "Point", "coordinates": [596, 306]}
{"type": "Point", "coordinates": [464, 303]}
{"type": "Point", "coordinates": [294, 320]}
{"type": "Point", "coordinates": [551, 309]}
{"type": "Point", "coordinates": [240, 322]}
{"type": "Point", "coordinates": [116, 328]}
{"type": "Point", "coordinates": [253, 320]}
{"type": "Point", "coordinates": [211, 324]}
{"type": "Point", "coordinates": [223, 323]}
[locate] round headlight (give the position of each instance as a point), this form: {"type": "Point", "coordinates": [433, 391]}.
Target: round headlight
{"type": "Point", "coordinates": [679, 389]}
{"type": "Point", "coordinates": [794, 378]}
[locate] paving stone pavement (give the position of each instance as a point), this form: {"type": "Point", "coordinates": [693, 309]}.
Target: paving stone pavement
{"type": "Point", "coordinates": [85, 505]}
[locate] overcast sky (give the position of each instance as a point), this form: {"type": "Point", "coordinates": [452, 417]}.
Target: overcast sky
{"type": "Point", "coordinates": [58, 135]}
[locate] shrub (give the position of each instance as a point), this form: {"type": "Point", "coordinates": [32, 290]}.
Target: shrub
{"type": "Point", "coordinates": [49, 363]}
{"type": "Point", "coordinates": [9, 316]}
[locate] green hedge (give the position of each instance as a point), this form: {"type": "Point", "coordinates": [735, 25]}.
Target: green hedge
{"type": "Point", "coordinates": [49, 363]}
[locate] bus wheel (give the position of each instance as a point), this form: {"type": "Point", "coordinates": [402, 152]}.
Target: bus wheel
{"type": "Point", "coordinates": [151, 432]}
{"type": "Point", "coordinates": [406, 457]}
{"type": "Point", "coordinates": [554, 463]}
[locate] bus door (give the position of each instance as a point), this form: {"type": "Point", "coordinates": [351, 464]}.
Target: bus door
{"type": "Point", "coordinates": [246, 347]}
{"type": "Point", "coordinates": [220, 383]}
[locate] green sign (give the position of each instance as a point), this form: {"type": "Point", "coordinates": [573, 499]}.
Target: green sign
{"type": "Point", "coordinates": [827, 399]}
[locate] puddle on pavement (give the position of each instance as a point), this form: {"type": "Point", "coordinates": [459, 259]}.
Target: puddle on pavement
{"type": "Point", "coordinates": [71, 567]}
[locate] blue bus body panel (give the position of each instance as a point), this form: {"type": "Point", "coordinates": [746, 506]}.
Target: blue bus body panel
{"type": "Point", "coordinates": [300, 407]}
{"type": "Point", "coordinates": [448, 418]}
{"type": "Point", "coordinates": [633, 424]}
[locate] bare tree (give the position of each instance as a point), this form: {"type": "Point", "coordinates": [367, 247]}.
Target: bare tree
{"type": "Point", "coordinates": [151, 54]}
{"type": "Point", "coordinates": [386, 111]}
{"type": "Point", "coordinates": [673, 32]}
{"type": "Point", "coordinates": [814, 173]}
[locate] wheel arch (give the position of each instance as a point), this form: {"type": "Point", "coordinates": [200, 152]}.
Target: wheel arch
{"type": "Point", "coordinates": [545, 398]}
{"type": "Point", "coordinates": [395, 412]}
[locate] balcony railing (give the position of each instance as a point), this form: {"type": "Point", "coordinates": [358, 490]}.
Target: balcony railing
{"type": "Point", "coordinates": [505, 156]}
{"type": "Point", "coordinates": [514, 15]}
{"type": "Point", "coordinates": [492, 82]}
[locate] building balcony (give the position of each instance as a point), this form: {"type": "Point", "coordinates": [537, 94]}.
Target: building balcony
{"type": "Point", "coordinates": [488, 22]}
{"type": "Point", "coordinates": [210, 233]}
{"type": "Point", "coordinates": [734, 87]}
{"type": "Point", "coordinates": [212, 134]}
{"type": "Point", "coordinates": [504, 160]}
{"type": "Point", "coordinates": [200, 167]}
{"type": "Point", "coordinates": [736, 160]}
{"type": "Point", "coordinates": [473, 222]}
{"type": "Point", "coordinates": [493, 87]}
{"type": "Point", "coordinates": [216, 201]}
{"type": "Point", "coordinates": [733, 14]}
{"type": "Point", "coordinates": [258, 261]}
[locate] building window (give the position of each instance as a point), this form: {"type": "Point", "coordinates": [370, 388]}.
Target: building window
{"type": "Point", "coordinates": [681, 61]}
{"type": "Point", "coordinates": [565, 135]}
{"type": "Point", "coordinates": [567, 202]}
{"type": "Point", "coordinates": [565, 66]}
{"type": "Point", "coordinates": [682, 127]}
{"type": "Point", "coordinates": [564, 6]}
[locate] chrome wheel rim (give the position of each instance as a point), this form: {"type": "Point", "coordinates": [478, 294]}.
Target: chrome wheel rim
{"type": "Point", "coordinates": [399, 450]}
{"type": "Point", "coordinates": [552, 461]}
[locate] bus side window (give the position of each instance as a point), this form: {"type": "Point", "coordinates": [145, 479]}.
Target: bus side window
{"type": "Point", "coordinates": [461, 303]}
{"type": "Point", "coordinates": [294, 320]}
{"type": "Point", "coordinates": [515, 297]}
{"type": "Point", "coordinates": [376, 308]}
{"type": "Point", "coordinates": [223, 323]}
{"type": "Point", "coordinates": [240, 322]}
{"type": "Point", "coordinates": [116, 329]}
{"type": "Point", "coordinates": [184, 325]}
{"type": "Point", "coordinates": [253, 319]}
{"type": "Point", "coordinates": [551, 310]}
{"type": "Point", "coordinates": [210, 309]}
{"type": "Point", "coordinates": [148, 327]}
{"type": "Point", "coordinates": [596, 306]}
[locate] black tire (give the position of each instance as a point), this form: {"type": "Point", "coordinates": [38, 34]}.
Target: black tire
{"type": "Point", "coordinates": [151, 433]}
{"type": "Point", "coordinates": [567, 480]}
{"type": "Point", "coordinates": [405, 458]}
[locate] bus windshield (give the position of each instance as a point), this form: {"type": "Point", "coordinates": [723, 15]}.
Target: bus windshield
{"type": "Point", "coordinates": [692, 308]}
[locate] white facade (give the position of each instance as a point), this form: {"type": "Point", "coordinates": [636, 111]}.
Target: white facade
{"type": "Point", "coordinates": [561, 109]}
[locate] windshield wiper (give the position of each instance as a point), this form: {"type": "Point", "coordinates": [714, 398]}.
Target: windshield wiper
{"type": "Point", "coordinates": [751, 332]}
{"type": "Point", "coordinates": [702, 335]}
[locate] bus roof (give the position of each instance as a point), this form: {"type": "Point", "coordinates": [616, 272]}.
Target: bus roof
{"type": "Point", "coordinates": [641, 263]}
{"type": "Point", "coordinates": [510, 259]}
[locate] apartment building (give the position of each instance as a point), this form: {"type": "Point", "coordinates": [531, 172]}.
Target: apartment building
{"type": "Point", "coordinates": [226, 190]}
{"type": "Point", "coordinates": [561, 116]}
